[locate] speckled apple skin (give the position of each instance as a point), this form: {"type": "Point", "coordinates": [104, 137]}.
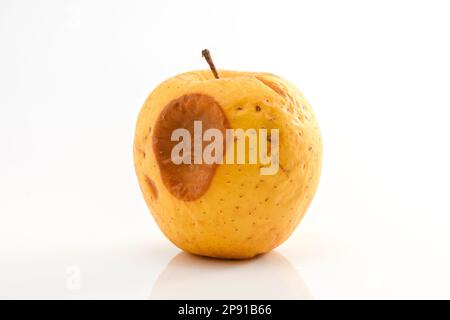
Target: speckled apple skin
{"type": "Point", "coordinates": [243, 213]}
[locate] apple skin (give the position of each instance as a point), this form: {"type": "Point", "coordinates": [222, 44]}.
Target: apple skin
{"type": "Point", "coordinates": [241, 213]}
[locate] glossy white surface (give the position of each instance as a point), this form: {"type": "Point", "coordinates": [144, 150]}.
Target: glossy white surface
{"type": "Point", "coordinates": [74, 75]}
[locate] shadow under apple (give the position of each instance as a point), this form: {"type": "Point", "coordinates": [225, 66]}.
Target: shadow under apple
{"type": "Point", "coordinates": [269, 276]}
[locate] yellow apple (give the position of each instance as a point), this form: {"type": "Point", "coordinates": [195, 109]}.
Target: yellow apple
{"type": "Point", "coordinates": [227, 210]}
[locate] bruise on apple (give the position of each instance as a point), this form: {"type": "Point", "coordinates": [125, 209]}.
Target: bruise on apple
{"type": "Point", "coordinates": [273, 86]}
{"type": "Point", "coordinates": [186, 182]}
{"type": "Point", "coordinates": [151, 187]}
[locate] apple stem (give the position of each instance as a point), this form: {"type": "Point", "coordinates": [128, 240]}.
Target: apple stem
{"type": "Point", "coordinates": [207, 56]}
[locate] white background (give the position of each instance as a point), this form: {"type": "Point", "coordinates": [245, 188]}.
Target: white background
{"type": "Point", "coordinates": [74, 74]}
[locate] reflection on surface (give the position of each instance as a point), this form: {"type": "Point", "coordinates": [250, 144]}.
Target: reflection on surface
{"type": "Point", "coordinates": [269, 276]}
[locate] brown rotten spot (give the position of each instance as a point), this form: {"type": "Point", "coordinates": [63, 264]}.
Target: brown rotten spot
{"type": "Point", "coordinates": [186, 181]}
